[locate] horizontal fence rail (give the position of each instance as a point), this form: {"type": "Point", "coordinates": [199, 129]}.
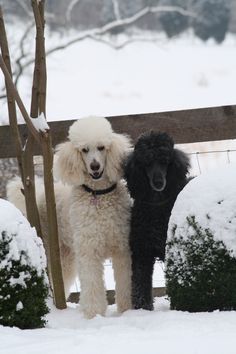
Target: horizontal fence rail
{"type": "Point", "coordinates": [186, 126]}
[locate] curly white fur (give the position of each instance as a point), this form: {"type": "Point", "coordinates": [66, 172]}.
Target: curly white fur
{"type": "Point", "coordinates": [90, 232]}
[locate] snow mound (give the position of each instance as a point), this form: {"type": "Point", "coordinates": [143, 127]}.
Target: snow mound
{"type": "Point", "coordinates": [211, 198]}
{"type": "Point", "coordinates": [25, 244]}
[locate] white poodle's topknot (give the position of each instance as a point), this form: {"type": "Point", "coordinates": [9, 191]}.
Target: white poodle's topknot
{"type": "Point", "coordinates": [91, 130]}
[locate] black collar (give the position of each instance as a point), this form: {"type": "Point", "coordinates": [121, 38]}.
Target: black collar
{"type": "Point", "coordinates": [99, 191]}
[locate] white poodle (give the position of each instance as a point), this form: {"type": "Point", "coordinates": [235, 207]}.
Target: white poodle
{"type": "Point", "coordinates": [93, 209]}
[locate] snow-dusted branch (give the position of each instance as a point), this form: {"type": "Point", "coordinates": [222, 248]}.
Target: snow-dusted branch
{"type": "Point", "coordinates": [70, 9]}
{"type": "Point", "coordinates": [97, 33]}
{"type": "Point", "coordinates": [24, 6]}
{"type": "Point", "coordinates": [123, 44]}
{"type": "Point", "coordinates": [121, 23]}
{"type": "Point", "coordinates": [116, 9]}
{"type": "Point", "coordinates": [22, 55]}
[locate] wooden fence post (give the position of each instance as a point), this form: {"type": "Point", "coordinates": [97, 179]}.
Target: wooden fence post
{"type": "Point", "coordinates": [43, 137]}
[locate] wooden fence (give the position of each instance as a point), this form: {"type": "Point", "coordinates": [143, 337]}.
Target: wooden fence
{"type": "Point", "coordinates": [186, 126]}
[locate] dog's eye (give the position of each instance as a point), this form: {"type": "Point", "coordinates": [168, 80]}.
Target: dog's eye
{"type": "Point", "coordinates": [85, 150]}
{"type": "Point", "coordinates": [101, 148]}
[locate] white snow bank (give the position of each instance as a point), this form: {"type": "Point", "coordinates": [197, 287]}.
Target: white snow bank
{"type": "Point", "coordinates": [13, 223]}
{"type": "Point", "coordinates": [211, 198]}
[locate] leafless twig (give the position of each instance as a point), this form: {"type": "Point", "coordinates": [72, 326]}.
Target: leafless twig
{"type": "Point", "coordinates": [70, 9]}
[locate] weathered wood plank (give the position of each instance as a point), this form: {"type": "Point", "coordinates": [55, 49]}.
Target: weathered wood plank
{"type": "Point", "coordinates": [157, 292]}
{"type": "Point", "coordinates": [187, 126]}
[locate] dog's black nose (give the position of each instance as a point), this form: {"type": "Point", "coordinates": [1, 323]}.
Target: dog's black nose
{"type": "Point", "coordinates": [95, 166]}
{"type": "Point", "coordinates": [158, 182]}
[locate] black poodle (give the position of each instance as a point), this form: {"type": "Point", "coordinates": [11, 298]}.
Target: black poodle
{"type": "Point", "coordinates": [155, 173]}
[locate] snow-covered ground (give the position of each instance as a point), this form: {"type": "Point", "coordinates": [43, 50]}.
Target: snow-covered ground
{"type": "Point", "coordinates": [161, 331]}
{"type": "Point", "coordinates": [135, 331]}
{"type": "Point", "coordinates": [90, 77]}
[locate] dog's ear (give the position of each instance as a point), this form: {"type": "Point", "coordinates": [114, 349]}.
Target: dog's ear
{"type": "Point", "coordinates": [134, 174]}
{"type": "Point", "coordinates": [69, 166]}
{"type": "Point", "coordinates": [130, 173]}
{"type": "Point", "coordinates": [181, 162]}
{"type": "Point", "coordinates": [178, 170]}
{"type": "Point", "coordinates": [117, 152]}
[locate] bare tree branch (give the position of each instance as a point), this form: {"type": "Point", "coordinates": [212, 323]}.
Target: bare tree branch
{"type": "Point", "coordinates": [121, 22]}
{"type": "Point", "coordinates": [23, 5]}
{"type": "Point", "coordinates": [28, 11]}
{"type": "Point", "coordinates": [97, 33]}
{"type": "Point", "coordinates": [70, 9]}
{"type": "Point", "coordinates": [17, 73]}
{"type": "Point", "coordinates": [118, 46]}
{"type": "Point", "coordinates": [116, 9]}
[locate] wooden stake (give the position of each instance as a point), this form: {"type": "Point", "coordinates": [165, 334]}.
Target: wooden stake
{"type": "Point", "coordinates": [38, 105]}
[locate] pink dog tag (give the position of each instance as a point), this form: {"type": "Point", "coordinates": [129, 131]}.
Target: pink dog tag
{"type": "Point", "coordinates": [94, 200]}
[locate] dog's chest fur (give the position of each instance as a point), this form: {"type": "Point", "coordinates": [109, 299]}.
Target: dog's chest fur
{"type": "Point", "coordinates": [103, 223]}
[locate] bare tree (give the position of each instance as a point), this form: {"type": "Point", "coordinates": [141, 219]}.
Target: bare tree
{"type": "Point", "coordinates": [23, 61]}
{"type": "Point", "coordinates": [42, 136]}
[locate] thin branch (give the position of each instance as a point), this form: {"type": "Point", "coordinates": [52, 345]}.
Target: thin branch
{"type": "Point", "coordinates": [116, 9]}
{"type": "Point", "coordinates": [13, 91]}
{"type": "Point", "coordinates": [27, 11]}
{"type": "Point", "coordinates": [10, 98]}
{"type": "Point", "coordinates": [126, 42]}
{"type": "Point", "coordinates": [22, 55]}
{"type": "Point", "coordinates": [23, 5]}
{"type": "Point", "coordinates": [70, 9]}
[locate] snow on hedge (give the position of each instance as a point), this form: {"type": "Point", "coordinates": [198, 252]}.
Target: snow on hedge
{"type": "Point", "coordinates": [211, 198]}
{"type": "Point", "coordinates": [12, 222]}
{"type": "Point", "coordinates": [201, 248]}
{"type": "Point", "coordinates": [24, 286]}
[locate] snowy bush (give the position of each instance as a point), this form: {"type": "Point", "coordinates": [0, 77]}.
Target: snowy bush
{"type": "Point", "coordinates": [201, 249]}
{"type": "Point", "coordinates": [23, 279]}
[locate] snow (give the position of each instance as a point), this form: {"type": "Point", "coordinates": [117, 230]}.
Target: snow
{"type": "Point", "coordinates": [91, 78]}
{"type": "Point", "coordinates": [135, 331]}
{"type": "Point", "coordinates": [211, 198]}
{"type": "Point", "coordinates": [19, 306]}
{"type": "Point", "coordinates": [40, 123]}
{"type": "Point", "coordinates": [12, 222]}
{"type": "Point", "coordinates": [160, 331]}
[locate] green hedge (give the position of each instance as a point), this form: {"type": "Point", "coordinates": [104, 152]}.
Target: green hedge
{"type": "Point", "coordinates": [200, 271]}
{"type": "Point", "coordinates": [23, 289]}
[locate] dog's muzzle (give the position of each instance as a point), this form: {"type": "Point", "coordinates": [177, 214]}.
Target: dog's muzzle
{"type": "Point", "coordinates": [96, 174]}
{"type": "Point", "coordinates": [157, 178]}
{"type": "Point", "coordinates": [158, 183]}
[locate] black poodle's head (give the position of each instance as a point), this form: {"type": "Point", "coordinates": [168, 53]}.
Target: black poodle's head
{"type": "Point", "coordinates": [155, 165]}
{"type": "Point", "coordinates": [153, 152]}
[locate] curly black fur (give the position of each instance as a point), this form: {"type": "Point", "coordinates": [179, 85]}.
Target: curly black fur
{"type": "Point", "coordinates": [155, 173]}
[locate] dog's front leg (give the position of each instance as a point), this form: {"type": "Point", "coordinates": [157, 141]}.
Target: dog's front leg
{"type": "Point", "coordinates": [92, 295]}
{"type": "Point", "coordinates": [142, 270]}
{"type": "Point", "coordinates": [121, 263]}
